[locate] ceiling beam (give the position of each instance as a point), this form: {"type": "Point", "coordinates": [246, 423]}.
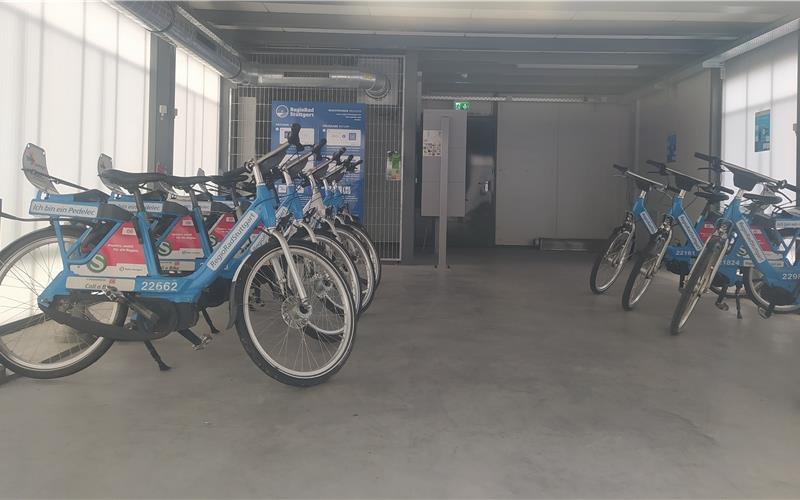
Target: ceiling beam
{"type": "Point", "coordinates": [436, 57]}
{"type": "Point", "coordinates": [260, 39]}
{"type": "Point", "coordinates": [233, 19]}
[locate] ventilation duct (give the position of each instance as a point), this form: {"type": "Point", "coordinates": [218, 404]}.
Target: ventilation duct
{"type": "Point", "coordinates": [176, 25]}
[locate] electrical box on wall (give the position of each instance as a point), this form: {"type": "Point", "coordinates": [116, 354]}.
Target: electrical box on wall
{"type": "Point", "coordinates": [433, 144]}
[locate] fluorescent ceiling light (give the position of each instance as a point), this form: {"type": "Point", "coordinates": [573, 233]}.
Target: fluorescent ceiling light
{"type": "Point", "coordinates": [577, 66]}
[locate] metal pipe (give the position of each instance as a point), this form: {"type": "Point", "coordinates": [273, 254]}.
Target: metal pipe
{"type": "Point", "coordinates": [175, 24]}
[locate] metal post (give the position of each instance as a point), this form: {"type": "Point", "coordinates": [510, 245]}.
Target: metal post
{"type": "Point", "coordinates": [3, 375]}
{"type": "Point", "coordinates": [161, 126]}
{"type": "Point", "coordinates": [443, 181]}
{"type": "Point", "coordinates": [412, 112]}
{"type": "Point", "coordinates": [715, 119]}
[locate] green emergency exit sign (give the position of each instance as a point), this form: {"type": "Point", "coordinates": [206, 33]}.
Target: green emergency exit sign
{"type": "Point", "coordinates": [464, 105]}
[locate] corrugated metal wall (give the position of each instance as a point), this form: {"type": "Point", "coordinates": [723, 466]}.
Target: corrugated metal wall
{"type": "Point", "coordinates": [382, 197]}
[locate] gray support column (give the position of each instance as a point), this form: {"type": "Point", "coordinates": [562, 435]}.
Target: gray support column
{"type": "Point", "coordinates": [444, 183]}
{"type": "Point", "coordinates": [715, 119]}
{"type": "Point", "coordinates": [161, 126]}
{"type": "Point", "coordinates": [412, 109]}
{"type": "Point", "coordinates": [225, 88]}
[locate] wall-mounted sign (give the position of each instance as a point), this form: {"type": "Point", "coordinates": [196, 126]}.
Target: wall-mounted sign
{"type": "Point", "coordinates": [342, 124]}
{"type": "Point", "coordinates": [463, 105]}
{"type": "Point", "coordinates": [762, 131]}
{"type": "Point", "coordinates": [672, 148]}
{"type": "Point", "coordinates": [393, 166]}
{"type": "Point", "coordinates": [432, 143]}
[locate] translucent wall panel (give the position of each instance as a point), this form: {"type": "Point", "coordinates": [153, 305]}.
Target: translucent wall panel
{"type": "Point", "coordinates": [74, 81]}
{"type": "Point", "coordinates": [197, 88]}
{"type": "Point", "coordinates": [764, 79]}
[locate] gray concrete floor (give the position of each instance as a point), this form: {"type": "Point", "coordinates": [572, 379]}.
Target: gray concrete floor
{"type": "Point", "coordinates": [502, 377]}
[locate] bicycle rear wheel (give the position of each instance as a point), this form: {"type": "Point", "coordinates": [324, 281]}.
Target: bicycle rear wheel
{"type": "Point", "coordinates": [31, 344]}
{"type": "Point", "coordinates": [698, 282]}
{"type": "Point", "coordinates": [359, 255]}
{"type": "Point", "coordinates": [644, 269]}
{"type": "Point", "coordinates": [366, 240]}
{"type": "Point", "coordinates": [610, 261]}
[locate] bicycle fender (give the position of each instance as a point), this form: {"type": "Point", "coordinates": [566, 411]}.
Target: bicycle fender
{"type": "Point", "coordinates": [233, 307]}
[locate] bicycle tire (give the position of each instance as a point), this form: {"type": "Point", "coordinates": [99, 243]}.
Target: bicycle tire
{"type": "Point", "coordinates": [750, 276]}
{"type": "Point", "coordinates": [699, 279]}
{"type": "Point", "coordinates": [631, 295]}
{"type": "Point", "coordinates": [366, 240]}
{"type": "Point", "coordinates": [593, 285]}
{"type": "Point", "coordinates": [244, 326]}
{"type": "Point", "coordinates": [10, 255]}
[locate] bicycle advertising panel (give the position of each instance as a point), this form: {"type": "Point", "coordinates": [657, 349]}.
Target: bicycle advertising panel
{"type": "Point", "coordinates": [341, 124]}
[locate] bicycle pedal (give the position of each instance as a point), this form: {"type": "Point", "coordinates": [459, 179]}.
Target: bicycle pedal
{"type": "Point", "coordinates": [722, 306]}
{"type": "Point", "coordinates": [764, 313]}
{"type": "Point", "coordinates": [202, 345]}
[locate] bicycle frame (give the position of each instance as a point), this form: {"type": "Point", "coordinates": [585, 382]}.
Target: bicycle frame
{"type": "Point", "coordinates": [736, 226]}
{"type": "Point", "coordinates": [179, 289]}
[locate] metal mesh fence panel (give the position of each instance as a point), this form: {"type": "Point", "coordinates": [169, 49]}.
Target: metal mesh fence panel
{"type": "Point", "coordinates": [384, 132]}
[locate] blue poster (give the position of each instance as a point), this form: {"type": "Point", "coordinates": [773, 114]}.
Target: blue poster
{"type": "Point", "coordinates": [672, 148]}
{"type": "Point", "coordinates": [762, 131]}
{"type": "Point", "coordinates": [341, 124]}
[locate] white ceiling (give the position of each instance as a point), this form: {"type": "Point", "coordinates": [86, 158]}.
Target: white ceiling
{"type": "Point", "coordinates": [526, 47]}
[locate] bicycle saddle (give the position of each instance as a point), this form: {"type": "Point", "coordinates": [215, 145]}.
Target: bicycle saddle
{"type": "Point", "coordinates": [763, 199]}
{"type": "Point", "coordinates": [712, 197]}
{"type": "Point", "coordinates": [182, 182]}
{"type": "Point", "coordinates": [130, 179]}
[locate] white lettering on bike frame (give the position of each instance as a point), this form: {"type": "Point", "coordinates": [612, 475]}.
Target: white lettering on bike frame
{"type": "Point", "coordinates": [648, 222]}
{"type": "Point", "coordinates": [241, 230]}
{"type": "Point", "coordinates": [690, 233]}
{"type": "Point", "coordinates": [787, 224]}
{"type": "Point", "coordinates": [750, 240]}
{"type": "Point", "coordinates": [63, 209]}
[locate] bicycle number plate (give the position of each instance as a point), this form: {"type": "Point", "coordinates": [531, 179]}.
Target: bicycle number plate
{"type": "Point", "coordinates": [83, 283]}
{"type": "Point", "coordinates": [159, 286]}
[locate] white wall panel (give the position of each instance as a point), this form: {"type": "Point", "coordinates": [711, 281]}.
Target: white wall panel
{"type": "Point", "coordinates": [197, 93]}
{"type": "Point", "coordinates": [74, 81]}
{"type": "Point", "coordinates": [683, 109]}
{"type": "Point", "coordinates": [554, 175]}
{"type": "Point", "coordinates": [764, 79]}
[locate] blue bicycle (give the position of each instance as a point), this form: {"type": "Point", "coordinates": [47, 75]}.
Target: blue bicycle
{"type": "Point", "coordinates": [660, 247]}
{"type": "Point", "coordinates": [779, 283]}
{"type": "Point", "coordinates": [68, 291]}
{"type": "Point", "coordinates": [619, 247]}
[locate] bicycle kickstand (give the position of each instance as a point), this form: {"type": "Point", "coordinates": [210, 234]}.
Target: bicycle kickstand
{"type": "Point", "coordinates": [208, 320]}
{"type": "Point", "coordinates": [739, 301]}
{"type": "Point", "coordinates": [152, 350]}
{"type": "Point", "coordinates": [721, 305]}
{"type": "Point", "coordinates": [681, 281]}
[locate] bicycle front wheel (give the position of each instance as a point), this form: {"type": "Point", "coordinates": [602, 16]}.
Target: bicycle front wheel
{"type": "Point", "coordinates": [644, 270]}
{"type": "Point", "coordinates": [609, 263]}
{"type": "Point", "coordinates": [296, 342]}
{"type": "Point", "coordinates": [698, 282]}
{"type": "Point", "coordinates": [31, 344]}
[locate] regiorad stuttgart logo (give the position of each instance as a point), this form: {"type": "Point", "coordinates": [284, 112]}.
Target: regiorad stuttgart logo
{"type": "Point", "coordinates": [165, 248]}
{"type": "Point", "coordinates": [98, 264]}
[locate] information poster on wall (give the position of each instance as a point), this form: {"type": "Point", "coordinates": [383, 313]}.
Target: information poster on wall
{"type": "Point", "coordinates": [762, 131]}
{"type": "Point", "coordinates": [672, 148]}
{"type": "Point", "coordinates": [341, 124]}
